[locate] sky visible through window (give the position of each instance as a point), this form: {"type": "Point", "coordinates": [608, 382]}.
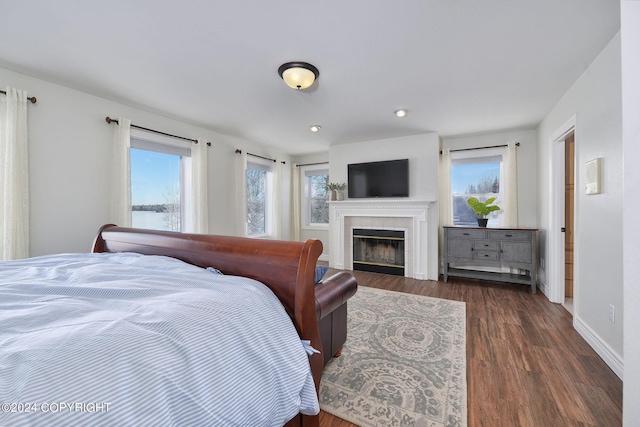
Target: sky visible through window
{"type": "Point", "coordinates": [153, 176]}
{"type": "Point", "coordinates": [464, 175]}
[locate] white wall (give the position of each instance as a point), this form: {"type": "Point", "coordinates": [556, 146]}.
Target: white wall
{"type": "Point", "coordinates": [595, 101]}
{"type": "Point", "coordinates": [527, 166]}
{"type": "Point", "coordinates": [70, 159]}
{"type": "Point", "coordinates": [630, 11]}
{"type": "Point", "coordinates": [423, 152]}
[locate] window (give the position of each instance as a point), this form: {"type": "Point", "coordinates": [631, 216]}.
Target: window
{"type": "Point", "coordinates": [259, 198]}
{"type": "Point", "coordinates": [159, 184]}
{"type": "Point", "coordinates": [315, 196]}
{"type": "Point", "coordinates": [476, 174]}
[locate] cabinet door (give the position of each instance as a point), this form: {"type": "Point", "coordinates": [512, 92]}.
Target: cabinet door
{"type": "Point", "coordinates": [460, 248]}
{"type": "Point", "coordinates": [517, 252]}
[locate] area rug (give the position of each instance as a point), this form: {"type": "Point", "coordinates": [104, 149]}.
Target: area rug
{"type": "Point", "coordinates": [404, 362]}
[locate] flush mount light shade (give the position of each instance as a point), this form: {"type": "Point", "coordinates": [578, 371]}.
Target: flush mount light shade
{"type": "Point", "coordinates": [298, 75]}
{"type": "Point", "coordinates": [401, 113]}
{"type": "Point", "coordinates": [315, 128]}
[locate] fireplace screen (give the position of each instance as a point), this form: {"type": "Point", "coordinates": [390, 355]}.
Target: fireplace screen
{"type": "Point", "coordinates": [379, 251]}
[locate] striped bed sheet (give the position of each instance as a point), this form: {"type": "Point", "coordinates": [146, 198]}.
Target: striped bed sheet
{"type": "Point", "coordinates": [126, 339]}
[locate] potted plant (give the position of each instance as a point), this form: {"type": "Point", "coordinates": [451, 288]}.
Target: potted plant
{"type": "Point", "coordinates": [482, 209]}
{"type": "Point", "coordinates": [335, 190]}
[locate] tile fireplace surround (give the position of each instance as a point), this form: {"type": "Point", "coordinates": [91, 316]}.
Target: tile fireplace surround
{"type": "Point", "coordinates": [410, 216]}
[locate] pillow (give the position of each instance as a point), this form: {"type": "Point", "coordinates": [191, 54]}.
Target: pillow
{"type": "Point", "coordinates": [214, 270]}
{"type": "Point", "coordinates": [320, 272]}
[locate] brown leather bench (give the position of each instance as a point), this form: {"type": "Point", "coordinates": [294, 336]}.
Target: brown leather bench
{"type": "Point", "coordinates": [331, 308]}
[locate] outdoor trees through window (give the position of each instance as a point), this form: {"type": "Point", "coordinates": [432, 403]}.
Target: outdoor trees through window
{"type": "Point", "coordinates": [316, 197]}
{"type": "Point", "coordinates": [475, 177]}
{"type": "Point", "coordinates": [256, 200]}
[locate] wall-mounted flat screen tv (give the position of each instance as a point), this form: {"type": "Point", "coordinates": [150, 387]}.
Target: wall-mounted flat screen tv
{"type": "Point", "coordinates": [388, 178]}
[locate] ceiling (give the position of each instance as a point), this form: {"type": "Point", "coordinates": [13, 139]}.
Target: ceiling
{"type": "Point", "coordinates": [458, 66]}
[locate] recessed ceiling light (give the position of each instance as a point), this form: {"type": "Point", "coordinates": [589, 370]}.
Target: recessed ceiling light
{"type": "Point", "coordinates": [401, 113]}
{"type": "Point", "coordinates": [315, 128]}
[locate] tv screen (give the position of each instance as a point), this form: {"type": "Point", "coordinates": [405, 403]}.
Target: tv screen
{"type": "Point", "coordinates": [378, 179]}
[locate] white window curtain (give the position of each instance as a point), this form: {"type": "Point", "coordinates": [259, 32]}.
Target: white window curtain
{"type": "Point", "coordinates": [121, 174]}
{"type": "Point", "coordinates": [296, 205]}
{"type": "Point", "coordinates": [200, 204]}
{"type": "Point", "coordinates": [14, 177]}
{"type": "Point", "coordinates": [446, 215]}
{"type": "Point", "coordinates": [241, 194]}
{"type": "Point", "coordinates": [510, 165]}
{"type": "Point", "coordinates": [276, 216]}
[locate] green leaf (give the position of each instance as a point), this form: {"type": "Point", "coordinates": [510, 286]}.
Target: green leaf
{"type": "Point", "coordinates": [482, 209]}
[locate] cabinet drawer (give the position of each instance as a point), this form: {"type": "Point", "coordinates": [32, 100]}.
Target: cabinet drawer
{"type": "Point", "coordinates": [486, 245]}
{"type": "Point", "coordinates": [466, 233]}
{"type": "Point", "coordinates": [510, 234]}
{"type": "Point", "coordinates": [487, 255]}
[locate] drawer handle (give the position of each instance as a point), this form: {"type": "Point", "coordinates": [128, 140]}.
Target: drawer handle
{"type": "Point", "coordinates": [486, 255]}
{"type": "Point", "coordinates": [465, 234]}
{"type": "Point", "coordinates": [508, 235]}
{"type": "Point", "coordinates": [486, 246]}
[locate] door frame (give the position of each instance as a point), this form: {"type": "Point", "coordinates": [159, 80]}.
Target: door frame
{"type": "Point", "coordinates": [555, 256]}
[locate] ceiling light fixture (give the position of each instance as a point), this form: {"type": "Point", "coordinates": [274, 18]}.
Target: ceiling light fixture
{"type": "Point", "coordinates": [315, 128]}
{"type": "Point", "coordinates": [298, 75]}
{"type": "Point", "coordinates": [401, 113]}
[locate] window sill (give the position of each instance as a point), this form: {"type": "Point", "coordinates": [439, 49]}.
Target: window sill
{"type": "Point", "coordinates": [315, 227]}
{"type": "Point", "coordinates": [260, 236]}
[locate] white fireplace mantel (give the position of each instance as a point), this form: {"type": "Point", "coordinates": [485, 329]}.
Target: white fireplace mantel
{"type": "Point", "coordinates": [410, 215]}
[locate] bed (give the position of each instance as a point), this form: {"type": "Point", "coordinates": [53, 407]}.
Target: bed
{"type": "Point", "coordinates": [119, 351]}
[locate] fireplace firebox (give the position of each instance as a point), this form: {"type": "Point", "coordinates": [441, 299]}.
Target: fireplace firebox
{"type": "Point", "coordinates": [378, 251]}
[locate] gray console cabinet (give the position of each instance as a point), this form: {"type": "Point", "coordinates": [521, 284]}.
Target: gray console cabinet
{"type": "Point", "coordinates": [491, 247]}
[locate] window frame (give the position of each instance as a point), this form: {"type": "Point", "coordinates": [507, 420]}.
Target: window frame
{"type": "Point", "coordinates": [161, 144]}
{"type": "Point", "coordinates": [483, 155]}
{"type": "Point", "coordinates": [306, 172]}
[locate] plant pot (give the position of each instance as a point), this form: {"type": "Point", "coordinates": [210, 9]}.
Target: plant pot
{"type": "Point", "coordinates": [332, 195]}
{"type": "Point", "coordinates": [339, 195]}
{"type": "Point", "coordinates": [482, 222]}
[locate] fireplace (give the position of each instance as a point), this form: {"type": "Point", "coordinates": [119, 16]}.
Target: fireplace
{"type": "Point", "coordinates": [379, 251]}
{"type": "Point", "coordinates": [411, 216]}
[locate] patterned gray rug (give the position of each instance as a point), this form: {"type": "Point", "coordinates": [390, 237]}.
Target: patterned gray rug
{"type": "Point", "coordinates": [404, 362]}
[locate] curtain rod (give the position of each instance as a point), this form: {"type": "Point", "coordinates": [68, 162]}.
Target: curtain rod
{"type": "Point", "coordinates": [110, 120]}
{"type": "Point", "coordinates": [482, 148]}
{"type": "Point", "coordinates": [312, 164]}
{"type": "Point", "coordinates": [239, 151]}
{"type": "Point", "coordinates": [33, 99]}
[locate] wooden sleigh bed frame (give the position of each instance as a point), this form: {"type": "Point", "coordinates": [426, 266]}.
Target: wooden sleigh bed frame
{"type": "Point", "coordinates": [287, 268]}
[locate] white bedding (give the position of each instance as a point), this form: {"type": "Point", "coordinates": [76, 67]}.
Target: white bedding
{"type": "Point", "coordinates": [126, 339]}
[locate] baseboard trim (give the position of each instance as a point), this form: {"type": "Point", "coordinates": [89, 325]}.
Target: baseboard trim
{"type": "Point", "coordinates": [543, 288]}
{"type": "Point", "coordinates": [610, 357]}
{"type": "Point", "coordinates": [324, 257]}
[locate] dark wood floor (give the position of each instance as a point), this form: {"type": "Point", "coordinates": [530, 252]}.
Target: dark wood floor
{"type": "Point", "coordinates": [526, 365]}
